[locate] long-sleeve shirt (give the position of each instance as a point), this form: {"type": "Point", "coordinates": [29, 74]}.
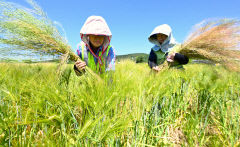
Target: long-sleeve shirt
{"type": "Point", "coordinates": [155, 60]}
{"type": "Point", "coordinates": [108, 57]}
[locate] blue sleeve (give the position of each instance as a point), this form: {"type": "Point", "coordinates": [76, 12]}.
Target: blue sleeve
{"type": "Point", "coordinates": [79, 50]}
{"type": "Point", "coordinates": [111, 59]}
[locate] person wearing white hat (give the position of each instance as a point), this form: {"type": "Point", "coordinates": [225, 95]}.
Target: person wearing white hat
{"type": "Point", "coordinates": [163, 49]}
{"type": "Point", "coordinates": [95, 49]}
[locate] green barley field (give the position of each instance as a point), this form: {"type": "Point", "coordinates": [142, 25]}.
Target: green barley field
{"type": "Point", "coordinates": [198, 106]}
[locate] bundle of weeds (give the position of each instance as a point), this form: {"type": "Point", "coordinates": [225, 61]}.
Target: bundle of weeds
{"type": "Point", "coordinates": [30, 29]}
{"type": "Point", "coordinates": [26, 29]}
{"type": "Point", "coordinates": [215, 40]}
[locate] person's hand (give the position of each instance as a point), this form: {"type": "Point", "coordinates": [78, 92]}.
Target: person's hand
{"type": "Point", "coordinates": [156, 68]}
{"type": "Point", "coordinates": [170, 58]}
{"type": "Point", "coordinates": [81, 65]}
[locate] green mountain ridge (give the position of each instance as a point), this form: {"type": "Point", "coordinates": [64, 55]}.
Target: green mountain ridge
{"type": "Point", "coordinates": [138, 57]}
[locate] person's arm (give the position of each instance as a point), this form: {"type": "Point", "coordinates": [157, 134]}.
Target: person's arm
{"type": "Point", "coordinates": [182, 59]}
{"type": "Point", "coordinates": [79, 66]}
{"type": "Point", "coordinates": [152, 59]}
{"type": "Point", "coordinates": [111, 58]}
{"type": "Point", "coordinates": [174, 56]}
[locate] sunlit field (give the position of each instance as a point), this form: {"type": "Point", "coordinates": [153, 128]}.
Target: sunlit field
{"type": "Point", "coordinates": [198, 106]}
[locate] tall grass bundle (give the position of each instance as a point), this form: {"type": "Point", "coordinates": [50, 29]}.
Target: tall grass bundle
{"type": "Point", "coordinates": [30, 29]}
{"type": "Point", "coordinates": [215, 40]}
{"type": "Point", "coordinates": [27, 29]}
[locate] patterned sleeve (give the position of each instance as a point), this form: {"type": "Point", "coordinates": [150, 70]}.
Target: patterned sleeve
{"type": "Point", "coordinates": [111, 59]}
{"type": "Point", "coordinates": [79, 50]}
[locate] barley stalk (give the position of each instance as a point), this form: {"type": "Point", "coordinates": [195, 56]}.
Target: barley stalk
{"type": "Point", "coordinates": [215, 40]}
{"type": "Point", "coordinates": [27, 29]}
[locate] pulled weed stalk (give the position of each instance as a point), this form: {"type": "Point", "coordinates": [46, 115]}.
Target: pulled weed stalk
{"type": "Point", "coordinates": [214, 40]}
{"type": "Point", "coordinates": [26, 29]}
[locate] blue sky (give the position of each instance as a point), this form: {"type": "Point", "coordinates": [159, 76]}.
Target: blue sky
{"type": "Point", "coordinates": [131, 21]}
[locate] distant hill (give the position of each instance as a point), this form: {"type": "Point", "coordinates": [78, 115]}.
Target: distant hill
{"type": "Point", "coordinates": [133, 57]}
{"type": "Point", "coordinates": [136, 57]}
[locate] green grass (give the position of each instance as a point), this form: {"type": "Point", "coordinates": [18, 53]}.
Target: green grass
{"type": "Point", "coordinates": [198, 106]}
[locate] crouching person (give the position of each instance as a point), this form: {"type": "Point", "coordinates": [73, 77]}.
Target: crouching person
{"type": "Point", "coordinates": [164, 49]}
{"type": "Point", "coordinates": [95, 50]}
